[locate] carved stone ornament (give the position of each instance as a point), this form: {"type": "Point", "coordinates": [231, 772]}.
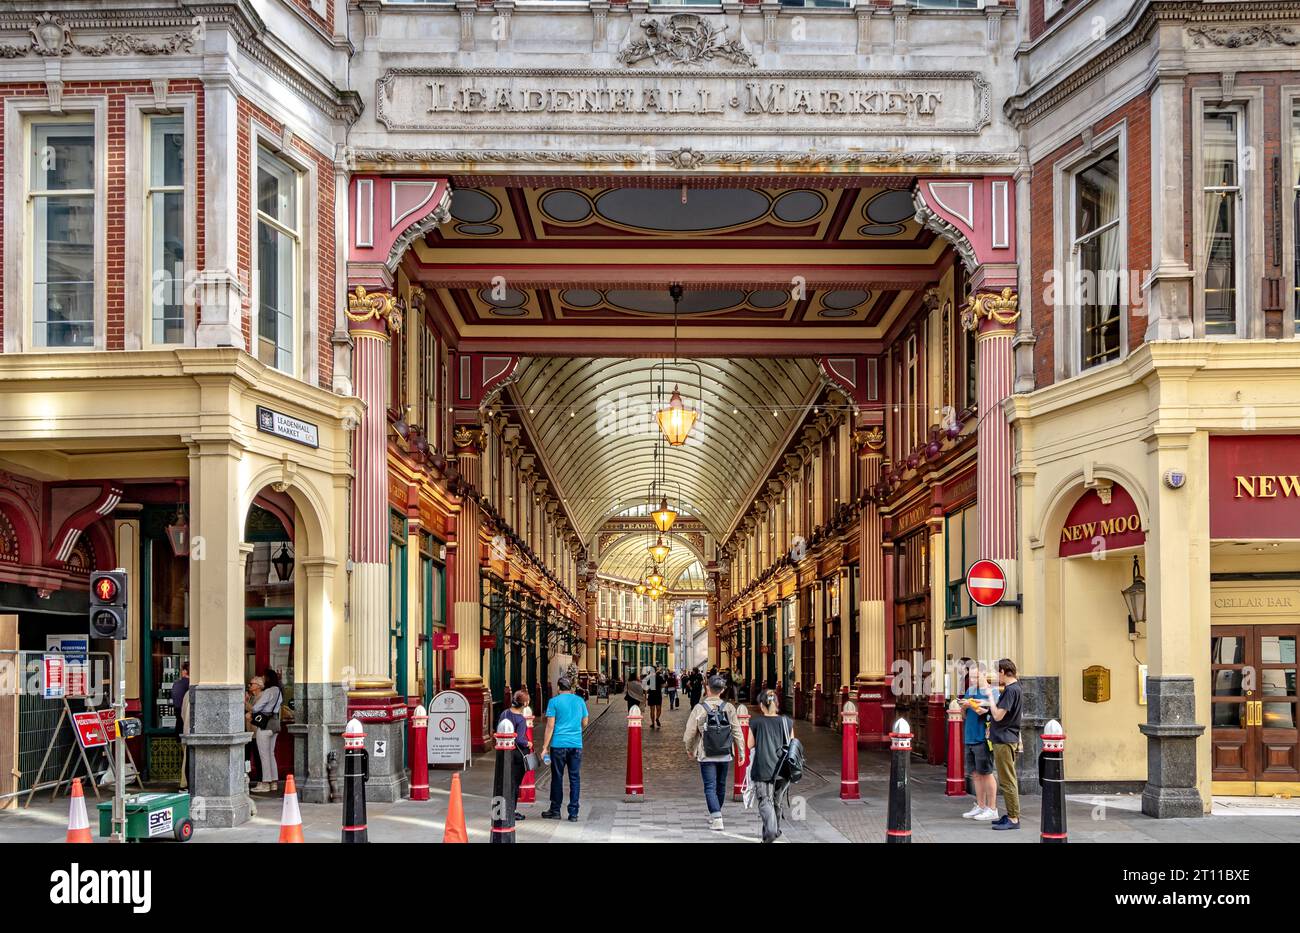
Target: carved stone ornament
{"type": "Point", "coordinates": [1228, 37]}
{"type": "Point", "coordinates": [380, 306]}
{"type": "Point", "coordinates": [1001, 308]}
{"type": "Point", "coordinates": [684, 39]}
{"type": "Point", "coordinates": [465, 437]}
{"type": "Point", "coordinates": [873, 439]}
{"type": "Point", "coordinates": [52, 38]}
{"type": "Point", "coordinates": [932, 221]}
{"type": "Point", "coordinates": [685, 158]}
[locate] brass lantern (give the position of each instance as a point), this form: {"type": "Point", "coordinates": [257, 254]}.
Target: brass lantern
{"type": "Point", "coordinates": [676, 420]}
{"type": "Point", "coordinates": [640, 589]}
{"type": "Point", "coordinates": [664, 516]}
{"type": "Point", "coordinates": [655, 580]}
{"type": "Point", "coordinates": [659, 550]}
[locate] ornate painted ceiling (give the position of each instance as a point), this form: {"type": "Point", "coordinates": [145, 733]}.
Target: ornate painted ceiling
{"type": "Point", "coordinates": [807, 258]}
{"type": "Point", "coordinates": [593, 423]}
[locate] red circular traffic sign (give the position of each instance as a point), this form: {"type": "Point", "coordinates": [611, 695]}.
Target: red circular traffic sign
{"type": "Point", "coordinates": [986, 583]}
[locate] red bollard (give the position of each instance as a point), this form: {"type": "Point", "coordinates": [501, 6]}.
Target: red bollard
{"type": "Point", "coordinates": [956, 749]}
{"type": "Point", "coordinates": [742, 714]}
{"type": "Point", "coordinates": [849, 758]}
{"type": "Point", "coordinates": [528, 789]}
{"type": "Point", "coordinates": [420, 754]}
{"type": "Point", "coordinates": [634, 788]}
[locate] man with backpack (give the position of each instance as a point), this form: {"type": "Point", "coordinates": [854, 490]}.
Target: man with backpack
{"type": "Point", "coordinates": [713, 733]}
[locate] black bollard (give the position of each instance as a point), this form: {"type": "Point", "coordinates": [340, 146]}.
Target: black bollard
{"type": "Point", "coordinates": [1051, 776]}
{"type": "Point", "coordinates": [503, 802]}
{"type": "Point", "coordinates": [356, 768]}
{"type": "Point", "coordinates": [899, 826]}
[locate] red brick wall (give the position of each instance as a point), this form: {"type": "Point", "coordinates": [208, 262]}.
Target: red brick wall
{"type": "Point", "coordinates": [322, 228]}
{"type": "Point", "coordinates": [1044, 234]}
{"type": "Point", "coordinates": [1038, 22]}
{"type": "Point", "coordinates": [116, 207]}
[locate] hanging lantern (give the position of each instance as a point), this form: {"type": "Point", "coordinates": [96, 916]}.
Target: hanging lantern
{"type": "Point", "coordinates": [655, 580]}
{"type": "Point", "coordinates": [664, 516]}
{"type": "Point", "coordinates": [640, 589]}
{"type": "Point", "coordinates": [659, 550]}
{"type": "Point", "coordinates": [178, 534]}
{"type": "Point", "coordinates": [654, 594]}
{"type": "Point", "coordinates": [676, 420]}
{"type": "Point", "coordinates": [283, 563]}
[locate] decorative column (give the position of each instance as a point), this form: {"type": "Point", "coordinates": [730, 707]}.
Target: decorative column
{"type": "Point", "coordinates": [592, 660]}
{"type": "Point", "coordinates": [872, 686]}
{"type": "Point", "coordinates": [467, 663]}
{"type": "Point", "coordinates": [936, 745]}
{"type": "Point", "coordinates": [374, 318]}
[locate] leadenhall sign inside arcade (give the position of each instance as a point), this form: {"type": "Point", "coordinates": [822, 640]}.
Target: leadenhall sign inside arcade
{"type": "Point", "coordinates": [1104, 519]}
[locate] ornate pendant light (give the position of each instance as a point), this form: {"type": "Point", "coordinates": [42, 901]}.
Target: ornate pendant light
{"type": "Point", "coordinates": [655, 580]}
{"type": "Point", "coordinates": [660, 549]}
{"type": "Point", "coordinates": [641, 589]}
{"type": "Point", "coordinates": [674, 417]}
{"type": "Point", "coordinates": [676, 420]}
{"type": "Point", "coordinates": [664, 516]}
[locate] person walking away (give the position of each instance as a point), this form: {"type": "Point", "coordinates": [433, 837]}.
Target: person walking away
{"type": "Point", "coordinates": [654, 695]}
{"type": "Point", "coordinates": [695, 686]}
{"type": "Point", "coordinates": [670, 688]}
{"type": "Point", "coordinates": [979, 751]}
{"type": "Point", "coordinates": [515, 714]}
{"type": "Point", "coordinates": [635, 693]}
{"type": "Point", "coordinates": [266, 725]}
{"type": "Point", "coordinates": [180, 694]}
{"type": "Point", "coordinates": [1004, 734]}
{"type": "Point", "coordinates": [769, 734]}
{"type": "Point", "coordinates": [712, 733]}
{"type": "Point", "coordinates": [566, 717]}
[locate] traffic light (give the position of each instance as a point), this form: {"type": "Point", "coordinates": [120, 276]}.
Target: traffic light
{"type": "Point", "coordinates": [108, 604]}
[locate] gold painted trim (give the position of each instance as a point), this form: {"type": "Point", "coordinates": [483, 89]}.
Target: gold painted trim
{"type": "Point", "coordinates": [1255, 788]}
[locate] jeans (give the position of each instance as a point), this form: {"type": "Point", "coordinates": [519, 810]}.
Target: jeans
{"type": "Point", "coordinates": [769, 796]}
{"type": "Point", "coordinates": [1005, 757]}
{"type": "Point", "coordinates": [715, 784]}
{"type": "Point", "coordinates": [562, 758]}
{"type": "Point", "coordinates": [672, 697]}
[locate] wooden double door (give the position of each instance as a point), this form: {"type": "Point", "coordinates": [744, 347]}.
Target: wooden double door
{"type": "Point", "coordinates": [1254, 712]}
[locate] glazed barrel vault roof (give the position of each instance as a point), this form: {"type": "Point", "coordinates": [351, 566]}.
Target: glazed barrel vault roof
{"type": "Point", "coordinates": [626, 559]}
{"type": "Point", "coordinates": [592, 420]}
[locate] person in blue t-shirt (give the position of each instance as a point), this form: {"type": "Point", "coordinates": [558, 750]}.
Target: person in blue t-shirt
{"type": "Point", "coordinates": [566, 717]}
{"type": "Point", "coordinates": [979, 754]}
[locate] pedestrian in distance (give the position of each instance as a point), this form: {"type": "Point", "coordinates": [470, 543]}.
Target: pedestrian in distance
{"type": "Point", "coordinates": [979, 750]}
{"type": "Point", "coordinates": [769, 735]}
{"type": "Point", "coordinates": [695, 687]}
{"type": "Point", "coordinates": [181, 709]}
{"type": "Point", "coordinates": [265, 717]}
{"type": "Point", "coordinates": [670, 688]}
{"type": "Point", "coordinates": [635, 693]}
{"type": "Point", "coordinates": [654, 694]}
{"type": "Point", "coordinates": [515, 714]}
{"type": "Point", "coordinates": [1004, 734]}
{"type": "Point", "coordinates": [714, 738]}
{"type": "Point", "coordinates": [566, 717]}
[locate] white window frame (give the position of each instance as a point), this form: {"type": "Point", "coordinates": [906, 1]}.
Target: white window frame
{"type": "Point", "coordinates": [1249, 102]}
{"type": "Point", "coordinates": [20, 114]}
{"type": "Point", "coordinates": [1290, 97]}
{"type": "Point", "coordinates": [1067, 315]}
{"type": "Point", "coordinates": [140, 110]}
{"type": "Point", "coordinates": [306, 360]}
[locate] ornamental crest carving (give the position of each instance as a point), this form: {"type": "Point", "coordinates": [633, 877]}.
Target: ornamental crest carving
{"type": "Point", "coordinates": [1001, 308]}
{"type": "Point", "coordinates": [51, 37]}
{"type": "Point", "coordinates": [1236, 38]}
{"type": "Point", "coordinates": [379, 306]}
{"type": "Point", "coordinates": [685, 39]}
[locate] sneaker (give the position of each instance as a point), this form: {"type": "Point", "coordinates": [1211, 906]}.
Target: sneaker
{"type": "Point", "coordinates": [715, 824]}
{"type": "Point", "coordinates": [986, 815]}
{"type": "Point", "coordinates": [1001, 819]}
{"type": "Point", "coordinates": [261, 787]}
{"type": "Point", "coordinates": [1006, 825]}
{"type": "Point", "coordinates": [519, 817]}
{"type": "Point", "coordinates": [973, 812]}
{"type": "Point", "coordinates": [275, 785]}
{"type": "Point", "coordinates": [551, 815]}
{"type": "Point", "coordinates": [573, 817]}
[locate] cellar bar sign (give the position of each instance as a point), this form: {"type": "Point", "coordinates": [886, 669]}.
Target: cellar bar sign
{"type": "Point", "coordinates": [655, 101]}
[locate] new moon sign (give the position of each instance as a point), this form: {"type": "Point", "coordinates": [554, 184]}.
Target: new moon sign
{"type": "Point", "coordinates": [1255, 487]}
{"type": "Point", "coordinates": [1095, 525]}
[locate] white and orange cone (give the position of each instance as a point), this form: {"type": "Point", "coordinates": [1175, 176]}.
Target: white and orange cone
{"type": "Point", "coordinates": [290, 816]}
{"type": "Point", "coordinates": [78, 825]}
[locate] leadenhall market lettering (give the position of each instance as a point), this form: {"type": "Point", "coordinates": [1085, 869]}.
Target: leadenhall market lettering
{"type": "Point", "coordinates": [903, 103]}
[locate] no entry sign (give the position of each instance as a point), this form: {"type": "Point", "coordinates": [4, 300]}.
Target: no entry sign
{"type": "Point", "coordinates": [986, 583]}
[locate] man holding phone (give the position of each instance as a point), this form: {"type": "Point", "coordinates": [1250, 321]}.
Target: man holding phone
{"type": "Point", "coordinates": [979, 751]}
{"type": "Point", "coordinates": [1004, 733]}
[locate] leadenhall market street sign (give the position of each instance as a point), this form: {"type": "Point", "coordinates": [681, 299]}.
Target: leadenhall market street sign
{"type": "Point", "coordinates": [595, 101]}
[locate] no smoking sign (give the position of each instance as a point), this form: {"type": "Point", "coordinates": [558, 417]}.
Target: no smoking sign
{"type": "Point", "coordinates": [446, 724]}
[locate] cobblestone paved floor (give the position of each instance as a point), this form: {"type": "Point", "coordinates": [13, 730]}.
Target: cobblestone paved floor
{"type": "Point", "coordinates": [674, 810]}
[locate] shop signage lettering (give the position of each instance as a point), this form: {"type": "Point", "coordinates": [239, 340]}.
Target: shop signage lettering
{"type": "Point", "coordinates": [291, 429]}
{"type": "Point", "coordinates": [1102, 520]}
{"type": "Point", "coordinates": [1250, 498]}
{"type": "Point", "coordinates": [653, 101]}
{"type": "Point", "coordinates": [1254, 602]}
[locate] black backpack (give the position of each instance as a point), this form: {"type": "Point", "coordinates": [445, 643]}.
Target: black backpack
{"type": "Point", "coordinates": [717, 731]}
{"type": "Point", "coordinates": [789, 766]}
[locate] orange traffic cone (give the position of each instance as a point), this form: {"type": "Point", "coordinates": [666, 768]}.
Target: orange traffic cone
{"type": "Point", "coordinates": [455, 827]}
{"type": "Point", "coordinates": [290, 816]}
{"type": "Point", "coordinates": [78, 825]}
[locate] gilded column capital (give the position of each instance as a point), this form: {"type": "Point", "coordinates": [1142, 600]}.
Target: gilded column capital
{"type": "Point", "coordinates": [379, 313]}
{"type": "Point", "coordinates": [871, 441]}
{"type": "Point", "coordinates": [991, 311]}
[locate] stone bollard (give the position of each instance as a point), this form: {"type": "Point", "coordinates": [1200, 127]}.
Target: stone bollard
{"type": "Point", "coordinates": [503, 802]}
{"type": "Point", "coordinates": [849, 755]}
{"type": "Point", "coordinates": [742, 715]}
{"type": "Point", "coordinates": [956, 786]}
{"type": "Point", "coordinates": [899, 827]}
{"type": "Point", "coordinates": [420, 754]}
{"type": "Point", "coordinates": [1051, 775]}
{"type": "Point", "coordinates": [356, 768]}
{"type": "Point", "coordinates": [528, 788]}
{"type": "Point", "coordinates": [634, 788]}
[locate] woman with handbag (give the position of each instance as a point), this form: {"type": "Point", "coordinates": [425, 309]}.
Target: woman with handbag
{"type": "Point", "coordinates": [265, 716]}
{"type": "Point", "coordinates": [769, 735]}
{"type": "Point", "coordinates": [524, 760]}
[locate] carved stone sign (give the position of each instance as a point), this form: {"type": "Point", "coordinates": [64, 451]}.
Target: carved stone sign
{"type": "Point", "coordinates": [649, 101]}
{"type": "Point", "coordinates": [684, 39]}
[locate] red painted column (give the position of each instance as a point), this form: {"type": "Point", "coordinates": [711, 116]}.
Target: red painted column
{"type": "Point", "coordinates": [528, 788]}
{"type": "Point", "coordinates": [849, 756]}
{"type": "Point", "coordinates": [420, 754]}
{"type": "Point", "coordinates": [634, 786]}
{"type": "Point", "coordinates": [992, 315]}
{"type": "Point", "coordinates": [956, 786]}
{"type": "Point", "coordinates": [742, 768]}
